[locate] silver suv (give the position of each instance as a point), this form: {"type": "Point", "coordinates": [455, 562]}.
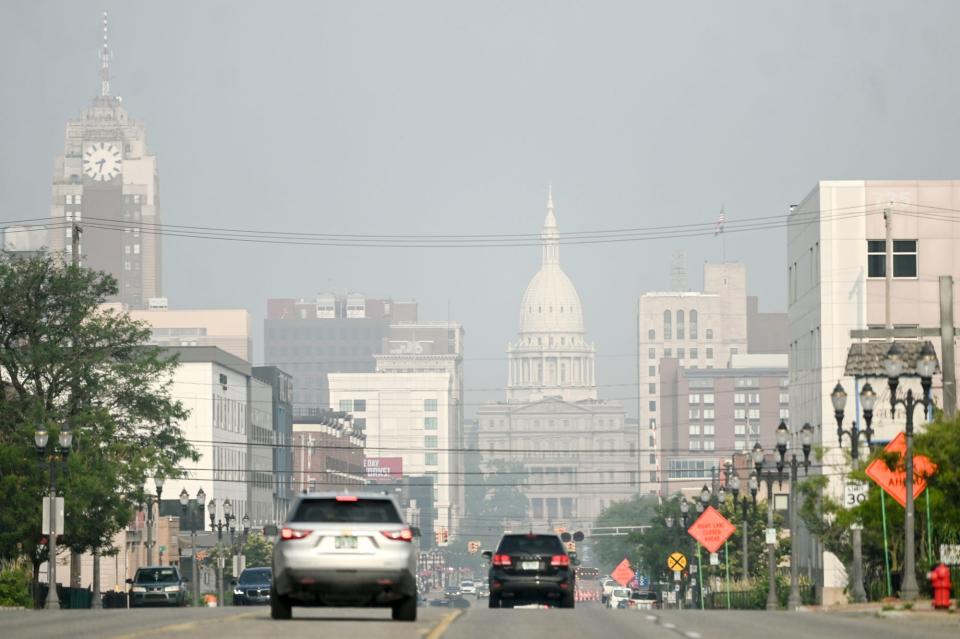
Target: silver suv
{"type": "Point", "coordinates": [344, 550]}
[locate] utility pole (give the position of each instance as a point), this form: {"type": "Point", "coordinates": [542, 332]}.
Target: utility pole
{"type": "Point", "coordinates": [948, 365]}
{"type": "Point", "coordinates": [75, 232]}
{"type": "Point", "coordinates": [888, 267]}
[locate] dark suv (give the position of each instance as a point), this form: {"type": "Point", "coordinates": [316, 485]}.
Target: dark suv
{"type": "Point", "coordinates": [157, 586]}
{"type": "Point", "coordinates": [253, 587]}
{"type": "Point", "coordinates": [531, 568]}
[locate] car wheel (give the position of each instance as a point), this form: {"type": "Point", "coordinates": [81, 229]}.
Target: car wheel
{"type": "Point", "coordinates": [280, 607]}
{"type": "Point", "coordinates": [405, 609]}
{"type": "Point", "coordinates": [493, 601]}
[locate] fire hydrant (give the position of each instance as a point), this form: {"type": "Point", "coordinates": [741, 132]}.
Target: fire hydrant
{"type": "Point", "coordinates": [940, 580]}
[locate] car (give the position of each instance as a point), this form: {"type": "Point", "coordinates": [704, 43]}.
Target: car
{"type": "Point", "coordinates": [607, 586]}
{"type": "Point", "coordinates": [531, 568]}
{"type": "Point", "coordinates": [157, 586]}
{"type": "Point", "coordinates": [339, 549]}
{"type": "Point", "coordinates": [483, 590]}
{"type": "Point", "coordinates": [643, 600]}
{"type": "Point", "coordinates": [451, 591]}
{"type": "Point", "coordinates": [618, 595]}
{"type": "Point", "coordinates": [252, 588]}
{"type": "Point", "coordinates": [468, 587]}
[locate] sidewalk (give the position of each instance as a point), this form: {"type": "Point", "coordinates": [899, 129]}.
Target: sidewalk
{"type": "Point", "coordinates": [887, 608]}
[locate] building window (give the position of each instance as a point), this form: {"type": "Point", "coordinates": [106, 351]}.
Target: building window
{"type": "Point", "coordinates": [739, 430]}
{"type": "Point", "coordinates": [693, 325]}
{"type": "Point", "coordinates": [681, 353]}
{"type": "Point", "coordinates": [652, 371]}
{"type": "Point", "coordinates": [430, 423]}
{"type": "Point", "coordinates": [679, 324]}
{"type": "Point", "coordinates": [668, 352]}
{"type": "Point", "coordinates": [652, 334]}
{"type": "Point", "coordinates": [653, 406]}
{"type": "Point", "coordinates": [430, 459]}
{"type": "Point", "coordinates": [739, 398]}
{"type": "Point", "coordinates": [709, 429]}
{"type": "Point", "coordinates": [708, 398]}
{"type": "Point", "coordinates": [709, 333]}
{"type": "Point", "coordinates": [694, 444]}
{"type": "Point", "coordinates": [754, 398]}
{"type": "Point", "coordinates": [653, 425]}
{"type": "Point", "coordinates": [430, 441]}
{"type": "Point", "coordinates": [429, 405]}
{"type": "Point", "coordinates": [740, 444]}
{"type": "Point", "coordinates": [653, 441]}
{"type": "Point", "coordinates": [904, 258]}
{"type": "Point", "coordinates": [694, 398]}
{"type": "Point", "coordinates": [359, 405]}
{"type": "Point", "coordinates": [652, 388]}
{"type": "Point", "coordinates": [708, 413]}
{"type": "Point", "coordinates": [694, 354]}
{"type": "Point", "coordinates": [653, 458]}
{"type": "Point", "coordinates": [653, 476]}
{"type": "Point", "coordinates": [346, 405]}
{"type": "Point", "coordinates": [694, 429]}
{"type": "Point", "coordinates": [784, 413]}
{"type": "Point", "coordinates": [652, 353]}
{"type": "Point", "coordinates": [739, 413]}
{"type": "Point", "coordinates": [708, 444]}
{"type": "Point", "coordinates": [694, 412]}
{"type": "Point", "coordinates": [754, 413]}
{"type": "Point", "coordinates": [784, 398]}
{"type": "Point", "coordinates": [667, 328]}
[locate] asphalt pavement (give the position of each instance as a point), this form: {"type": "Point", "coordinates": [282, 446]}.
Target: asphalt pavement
{"type": "Point", "coordinates": [476, 622]}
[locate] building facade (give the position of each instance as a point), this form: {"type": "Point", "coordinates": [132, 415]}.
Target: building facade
{"type": "Point", "coordinates": [412, 416]}
{"type": "Point", "coordinates": [575, 450]}
{"type": "Point", "coordinates": [330, 334]}
{"type": "Point", "coordinates": [282, 449]}
{"type": "Point", "coordinates": [107, 181]}
{"type": "Point", "coordinates": [327, 457]}
{"type": "Point", "coordinates": [227, 329]}
{"type": "Point", "coordinates": [836, 268]}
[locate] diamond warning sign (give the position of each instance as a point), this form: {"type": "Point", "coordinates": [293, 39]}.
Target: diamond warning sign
{"type": "Point", "coordinates": [894, 481]}
{"type": "Point", "coordinates": [711, 529]}
{"type": "Point", "coordinates": [622, 573]}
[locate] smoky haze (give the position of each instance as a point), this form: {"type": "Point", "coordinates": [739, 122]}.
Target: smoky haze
{"type": "Point", "coordinates": [452, 118]}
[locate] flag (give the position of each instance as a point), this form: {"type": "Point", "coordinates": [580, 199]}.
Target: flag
{"type": "Point", "coordinates": [720, 221]}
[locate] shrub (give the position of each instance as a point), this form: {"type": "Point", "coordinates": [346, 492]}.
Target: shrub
{"type": "Point", "coordinates": [15, 579]}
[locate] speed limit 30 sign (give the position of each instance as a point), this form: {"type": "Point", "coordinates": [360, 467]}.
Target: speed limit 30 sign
{"type": "Point", "coordinates": [854, 493]}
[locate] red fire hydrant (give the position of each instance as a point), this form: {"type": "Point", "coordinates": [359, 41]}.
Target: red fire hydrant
{"type": "Point", "coordinates": [940, 580]}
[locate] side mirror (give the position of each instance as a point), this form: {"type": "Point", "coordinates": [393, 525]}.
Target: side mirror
{"type": "Point", "coordinates": [129, 581]}
{"type": "Point", "coordinates": [233, 582]}
{"type": "Point", "coordinates": [415, 531]}
{"type": "Point", "coordinates": [487, 554]}
{"type": "Point", "coordinates": [270, 530]}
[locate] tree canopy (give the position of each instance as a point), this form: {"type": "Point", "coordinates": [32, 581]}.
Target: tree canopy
{"type": "Point", "coordinates": [65, 360]}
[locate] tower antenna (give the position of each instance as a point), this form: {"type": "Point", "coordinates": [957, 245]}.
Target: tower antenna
{"type": "Point", "coordinates": [105, 56]}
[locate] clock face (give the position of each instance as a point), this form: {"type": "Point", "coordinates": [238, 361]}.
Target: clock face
{"type": "Point", "coordinates": [102, 161]}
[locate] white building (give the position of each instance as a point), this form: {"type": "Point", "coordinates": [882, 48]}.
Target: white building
{"type": "Point", "coordinates": [409, 415]}
{"type": "Point", "coordinates": [835, 271]}
{"type": "Point", "coordinates": [577, 452]}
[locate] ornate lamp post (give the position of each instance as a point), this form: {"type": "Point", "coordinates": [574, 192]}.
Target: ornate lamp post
{"type": "Point", "coordinates": [55, 460]}
{"type": "Point", "coordinates": [768, 475]}
{"type": "Point", "coordinates": [184, 502]}
{"type": "Point", "coordinates": [868, 399]}
{"type": "Point", "coordinates": [158, 483]}
{"type": "Point", "coordinates": [219, 525]}
{"type": "Point", "coordinates": [806, 442]}
{"type": "Point", "coordinates": [925, 367]}
{"type": "Point", "coordinates": [734, 482]}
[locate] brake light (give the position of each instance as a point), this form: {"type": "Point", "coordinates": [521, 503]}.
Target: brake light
{"type": "Point", "coordinates": [287, 534]}
{"type": "Point", "coordinates": [398, 535]}
{"type": "Point", "coordinates": [560, 561]}
{"type": "Point", "coordinates": [501, 560]}
{"type": "Point", "coordinates": [346, 498]}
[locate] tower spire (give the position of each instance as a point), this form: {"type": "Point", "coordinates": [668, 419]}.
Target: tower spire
{"type": "Point", "coordinates": [105, 60]}
{"type": "Point", "coordinates": [550, 235]}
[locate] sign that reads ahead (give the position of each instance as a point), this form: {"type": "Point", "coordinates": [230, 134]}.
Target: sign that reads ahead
{"type": "Point", "coordinates": [711, 529]}
{"type": "Point", "coordinates": [383, 467]}
{"type": "Point", "coordinates": [894, 481]}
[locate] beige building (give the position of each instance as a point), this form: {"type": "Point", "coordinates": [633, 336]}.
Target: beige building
{"type": "Point", "coordinates": [107, 181]}
{"type": "Point", "coordinates": [576, 451]}
{"type": "Point", "coordinates": [227, 329]}
{"type": "Point", "coordinates": [836, 267]}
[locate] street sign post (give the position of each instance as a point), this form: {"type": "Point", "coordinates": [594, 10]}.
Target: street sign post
{"type": "Point", "coordinates": [711, 529]}
{"type": "Point", "coordinates": [622, 573]}
{"type": "Point", "coordinates": [854, 493]}
{"type": "Point", "coordinates": [894, 481]}
{"type": "Point", "coordinates": [677, 562]}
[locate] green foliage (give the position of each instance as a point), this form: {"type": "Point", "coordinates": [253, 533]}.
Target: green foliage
{"type": "Point", "coordinates": [636, 511]}
{"type": "Point", "coordinates": [15, 579]}
{"type": "Point", "coordinates": [504, 500]}
{"type": "Point", "coordinates": [65, 360]}
{"type": "Point", "coordinates": [257, 549]}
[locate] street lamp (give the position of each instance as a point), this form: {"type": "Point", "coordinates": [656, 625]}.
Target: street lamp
{"type": "Point", "coordinates": [55, 460]}
{"type": "Point", "coordinates": [868, 399]}
{"type": "Point", "coordinates": [806, 444]}
{"type": "Point", "coordinates": [184, 503]}
{"type": "Point", "coordinates": [158, 483]}
{"type": "Point", "coordinates": [769, 476]}
{"type": "Point", "coordinates": [219, 525]}
{"type": "Point", "coordinates": [733, 481]}
{"type": "Point", "coordinates": [925, 367]}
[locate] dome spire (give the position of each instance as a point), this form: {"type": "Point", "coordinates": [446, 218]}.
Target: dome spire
{"type": "Point", "coordinates": [105, 61]}
{"type": "Point", "coordinates": [550, 235]}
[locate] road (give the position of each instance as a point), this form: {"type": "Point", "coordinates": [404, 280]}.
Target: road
{"type": "Point", "coordinates": [587, 621]}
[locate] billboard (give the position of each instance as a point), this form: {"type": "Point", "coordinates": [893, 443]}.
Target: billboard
{"type": "Point", "coordinates": [383, 467]}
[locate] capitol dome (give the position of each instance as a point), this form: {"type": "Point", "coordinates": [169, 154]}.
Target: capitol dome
{"type": "Point", "coordinates": [551, 357]}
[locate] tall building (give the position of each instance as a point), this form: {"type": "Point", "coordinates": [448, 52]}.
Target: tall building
{"type": "Point", "coordinates": [329, 334]}
{"type": "Point", "coordinates": [836, 268]}
{"type": "Point", "coordinates": [327, 457]}
{"type": "Point", "coordinates": [577, 452]}
{"type": "Point", "coordinates": [107, 181]}
{"type": "Point", "coordinates": [281, 385]}
{"type": "Point", "coordinates": [228, 329]}
{"type": "Point", "coordinates": [701, 330]}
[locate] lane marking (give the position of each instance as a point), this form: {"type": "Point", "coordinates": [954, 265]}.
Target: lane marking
{"type": "Point", "coordinates": [437, 631]}
{"type": "Point", "coordinates": [692, 634]}
{"type": "Point", "coordinates": [179, 627]}
{"type": "Point", "coordinates": [669, 626]}
{"type": "Point", "coordinates": [651, 618]}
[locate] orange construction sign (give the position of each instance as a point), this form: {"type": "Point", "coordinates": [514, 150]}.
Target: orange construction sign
{"type": "Point", "coordinates": [894, 481]}
{"type": "Point", "coordinates": [622, 573]}
{"type": "Point", "coordinates": [711, 529]}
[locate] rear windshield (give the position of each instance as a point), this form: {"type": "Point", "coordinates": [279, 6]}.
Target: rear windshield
{"type": "Point", "coordinates": [621, 593]}
{"type": "Point", "coordinates": [155, 575]}
{"type": "Point", "coordinates": [258, 576]}
{"type": "Point", "coordinates": [362, 511]}
{"type": "Point", "coordinates": [531, 544]}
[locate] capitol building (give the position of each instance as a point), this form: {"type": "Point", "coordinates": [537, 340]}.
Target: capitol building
{"type": "Point", "coordinates": [577, 451]}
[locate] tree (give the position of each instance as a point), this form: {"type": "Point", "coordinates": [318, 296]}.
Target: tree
{"type": "Point", "coordinates": [636, 511]}
{"type": "Point", "coordinates": [504, 500]}
{"type": "Point", "coordinates": [64, 360]}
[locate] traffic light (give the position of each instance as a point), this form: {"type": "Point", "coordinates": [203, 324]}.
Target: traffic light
{"type": "Point", "coordinates": [438, 536]}
{"type": "Point", "coordinates": [445, 535]}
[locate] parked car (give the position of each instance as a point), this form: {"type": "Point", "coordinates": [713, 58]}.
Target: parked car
{"type": "Point", "coordinates": [157, 586]}
{"type": "Point", "coordinates": [339, 549]}
{"type": "Point", "coordinates": [253, 587]}
{"type": "Point", "coordinates": [531, 569]}
{"type": "Point", "coordinates": [618, 595]}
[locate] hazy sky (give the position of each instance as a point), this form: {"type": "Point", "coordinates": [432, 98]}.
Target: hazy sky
{"type": "Point", "coordinates": [452, 117]}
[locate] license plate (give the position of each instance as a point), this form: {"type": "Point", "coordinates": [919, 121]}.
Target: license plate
{"type": "Point", "coordinates": [529, 565]}
{"type": "Point", "coordinates": [346, 543]}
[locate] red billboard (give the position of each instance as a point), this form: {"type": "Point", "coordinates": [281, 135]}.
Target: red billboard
{"type": "Point", "coordinates": [383, 467]}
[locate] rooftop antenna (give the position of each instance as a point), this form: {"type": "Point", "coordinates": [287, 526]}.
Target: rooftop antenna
{"type": "Point", "coordinates": [105, 56]}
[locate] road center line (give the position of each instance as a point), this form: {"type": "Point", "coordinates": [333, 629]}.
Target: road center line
{"type": "Point", "coordinates": [437, 631]}
{"type": "Point", "coordinates": [181, 626]}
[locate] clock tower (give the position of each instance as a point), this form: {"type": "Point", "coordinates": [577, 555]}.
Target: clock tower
{"type": "Point", "coordinates": [107, 182]}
